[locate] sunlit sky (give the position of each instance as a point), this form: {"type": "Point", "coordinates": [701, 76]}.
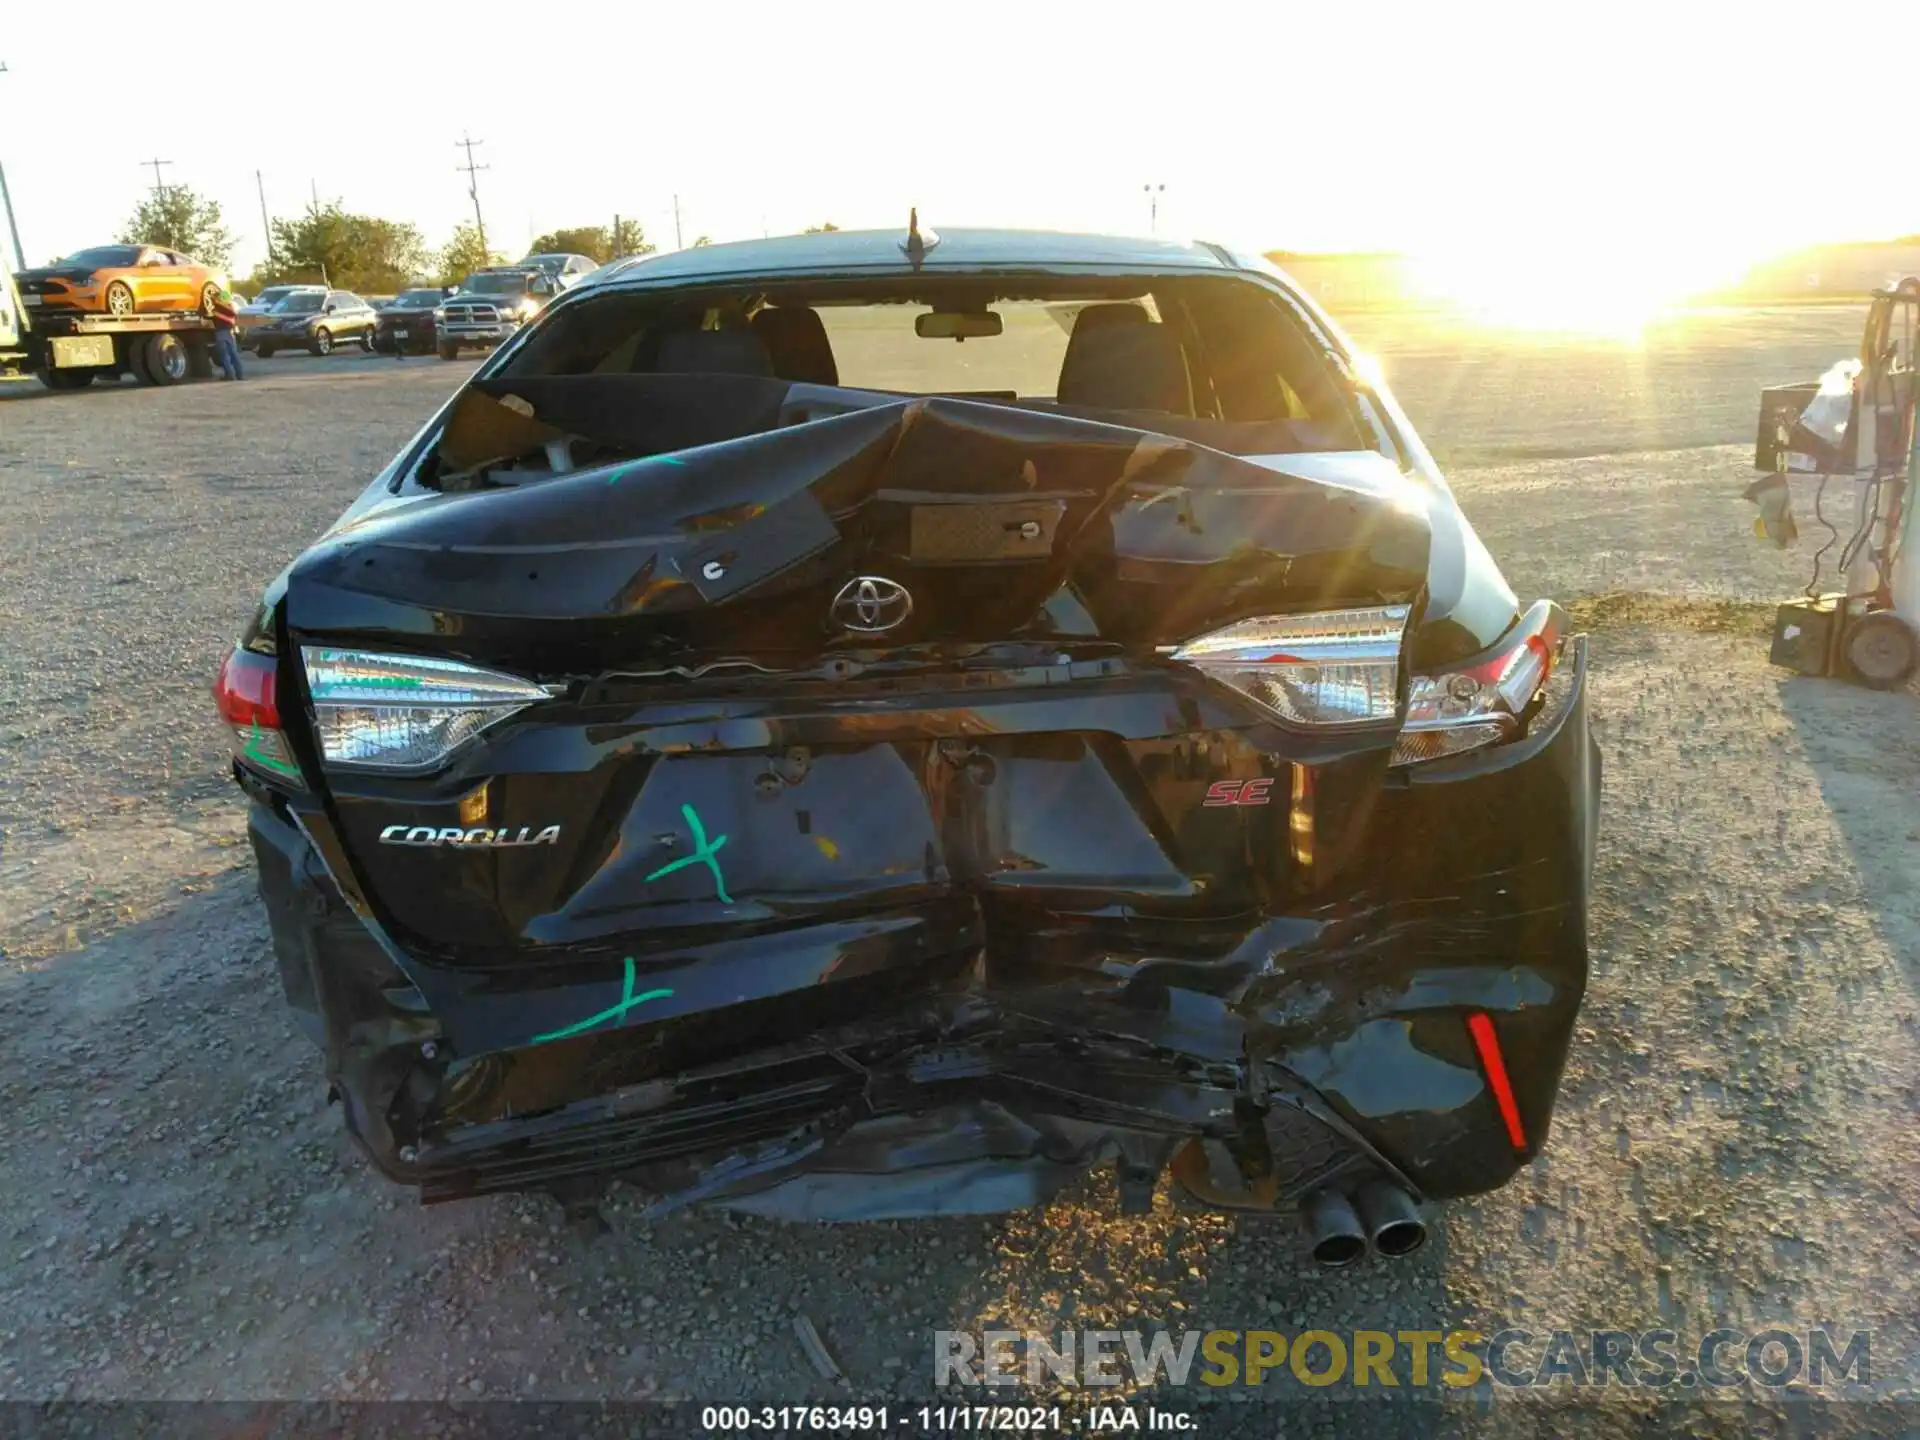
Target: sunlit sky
{"type": "Point", "coordinates": [1687, 135]}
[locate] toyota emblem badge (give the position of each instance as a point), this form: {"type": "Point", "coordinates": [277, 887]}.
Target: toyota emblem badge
{"type": "Point", "coordinates": [871, 605]}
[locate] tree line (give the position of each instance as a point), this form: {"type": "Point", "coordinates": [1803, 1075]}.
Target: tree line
{"type": "Point", "coordinates": [328, 244]}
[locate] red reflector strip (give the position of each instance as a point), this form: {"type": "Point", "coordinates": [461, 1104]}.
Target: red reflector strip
{"type": "Point", "coordinates": [1488, 1044]}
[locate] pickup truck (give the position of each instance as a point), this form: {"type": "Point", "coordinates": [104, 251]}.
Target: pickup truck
{"type": "Point", "coordinates": [489, 306]}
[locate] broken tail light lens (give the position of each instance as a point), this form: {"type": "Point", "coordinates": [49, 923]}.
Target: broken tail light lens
{"type": "Point", "coordinates": [246, 694]}
{"type": "Point", "coordinates": [1332, 667]}
{"type": "Point", "coordinates": [1482, 703]}
{"type": "Point", "coordinates": [404, 713]}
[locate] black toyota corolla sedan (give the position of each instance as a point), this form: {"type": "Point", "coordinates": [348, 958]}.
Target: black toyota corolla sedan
{"type": "Point", "coordinates": [883, 724]}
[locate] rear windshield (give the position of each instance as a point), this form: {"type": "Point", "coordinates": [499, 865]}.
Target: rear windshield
{"type": "Point", "coordinates": [1196, 349]}
{"type": "Point", "coordinates": [417, 297]}
{"type": "Point", "coordinates": [307, 304]}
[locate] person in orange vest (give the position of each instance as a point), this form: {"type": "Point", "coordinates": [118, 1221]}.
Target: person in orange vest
{"type": "Point", "coordinates": [226, 351]}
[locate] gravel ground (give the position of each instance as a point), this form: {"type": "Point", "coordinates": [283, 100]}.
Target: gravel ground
{"type": "Point", "coordinates": [180, 1218]}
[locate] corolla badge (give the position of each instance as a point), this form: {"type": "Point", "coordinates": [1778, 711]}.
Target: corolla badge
{"type": "Point", "coordinates": [871, 605]}
{"type": "Point", "coordinates": [482, 838]}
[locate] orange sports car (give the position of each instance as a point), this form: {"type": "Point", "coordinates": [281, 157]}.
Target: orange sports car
{"type": "Point", "coordinates": [122, 280]}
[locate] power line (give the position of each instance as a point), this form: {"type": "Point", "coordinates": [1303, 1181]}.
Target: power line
{"type": "Point", "coordinates": [473, 185]}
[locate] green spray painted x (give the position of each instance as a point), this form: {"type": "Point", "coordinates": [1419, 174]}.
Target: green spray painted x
{"type": "Point", "coordinates": [616, 1013]}
{"type": "Point", "coordinates": [703, 854]}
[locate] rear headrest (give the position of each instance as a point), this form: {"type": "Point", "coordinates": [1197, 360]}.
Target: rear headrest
{"type": "Point", "coordinates": [712, 352]}
{"type": "Point", "coordinates": [1117, 364]}
{"type": "Point", "coordinates": [798, 345]}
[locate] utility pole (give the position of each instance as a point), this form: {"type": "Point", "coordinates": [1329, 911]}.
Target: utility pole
{"type": "Point", "coordinates": [613, 239]}
{"type": "Point", "coordinates": [265, 224]}
{"type": "Point", "coordinates": [313, 189]}
{"type": "Point", "coordinates": [1153, 193]}
{"type": "Point", "coordinates": [158, 187]}
{"type": "Point", "coordinates": [678, 243]}
{"type": "Point", "coordinates": [473, 187]}
{"type": "Point", "coordinates": [6, 199]}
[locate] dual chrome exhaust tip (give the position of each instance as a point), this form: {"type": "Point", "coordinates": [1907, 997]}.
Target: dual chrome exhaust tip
{"type": "Point", "coordinates": [1378, 1216]}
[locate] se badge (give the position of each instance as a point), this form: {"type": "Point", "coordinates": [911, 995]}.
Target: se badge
{"type": "Point", "coordinates": [1237, 792]}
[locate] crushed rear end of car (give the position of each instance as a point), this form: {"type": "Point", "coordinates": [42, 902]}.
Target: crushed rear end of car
{"type": "Point", "coordinates": [860, 807]}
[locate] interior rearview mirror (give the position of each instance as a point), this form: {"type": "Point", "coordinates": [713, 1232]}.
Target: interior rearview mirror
{"type": "Point", "coordinates": [956, 324]}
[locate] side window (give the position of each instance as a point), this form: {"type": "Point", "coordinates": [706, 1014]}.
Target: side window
{"type": "Point", "coordinates": [349, 302]}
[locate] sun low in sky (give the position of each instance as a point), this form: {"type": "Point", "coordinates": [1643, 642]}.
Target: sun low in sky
{"type": "Point", "coordinates": [1544, 162]}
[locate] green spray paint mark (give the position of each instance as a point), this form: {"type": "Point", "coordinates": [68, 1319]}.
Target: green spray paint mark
{"type": "Point", "coordinates": [255, 750]}
{"type": "Point", "coordinates": [703, 854]}
{"type": "Point", "coordinates": [620, 475]}
{"type": "Point", "coordinates": [616, 1013]}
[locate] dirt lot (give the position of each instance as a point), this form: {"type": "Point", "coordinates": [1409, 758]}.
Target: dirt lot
{"type": "Point", "coordinates": [179, 1216]}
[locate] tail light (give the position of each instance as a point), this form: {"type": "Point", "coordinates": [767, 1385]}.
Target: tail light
{"type": "Point", "coordinates": [1482, 703]}
{"type": "Point", "coordinates": [1334, 667]}
{"type": "Point", "coordinates": [1342, 667]}
{"type": "Point", "coordinates": [404, 714]}
{"type": "Point", "coordinates": [245, 693]}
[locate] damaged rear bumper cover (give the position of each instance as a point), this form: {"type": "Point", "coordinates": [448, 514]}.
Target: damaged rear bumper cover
{"type": "Point", "coordinates": [893, 1064]}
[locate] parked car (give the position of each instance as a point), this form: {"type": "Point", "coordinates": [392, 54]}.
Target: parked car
{"type": "Point", "coordinates": [489, 306]}
{"type": "Point", "coordinates": [566, 270]}
{"type": "Point", "coordinates": [122, 280]}
{"type": "Point", "coordinates": [258, 312]}
{"type": "Point", "coordinates": [316, 322]}
{"type": "Point", "coordinates": [406, 325]}
{"type": "Point", "coordinates": [847, 782]}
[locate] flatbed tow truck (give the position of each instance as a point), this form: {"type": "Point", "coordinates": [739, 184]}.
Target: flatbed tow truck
{"type": "Point", "coordinates": [69, 350]}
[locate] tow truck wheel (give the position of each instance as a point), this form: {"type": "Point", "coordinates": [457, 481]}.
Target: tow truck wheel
{"type": "Point", "coordinates": [134, 347]}
{"type": "Point", "coordinates": [66, 379]}
{"type": "Point", "coordinates": [165, 360]}
{"type": "Point", "coordinates": [119, 298]}
{"type": "Point", "coordinates": [322, 341]}
{"type": "Point", "coordinates": [1881, 650]}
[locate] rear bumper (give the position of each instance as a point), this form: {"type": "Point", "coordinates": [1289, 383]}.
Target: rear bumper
{"type": "Point", "coordinates": [420, 335]}
{"type": "Point", "coordinates": [881, 1066]}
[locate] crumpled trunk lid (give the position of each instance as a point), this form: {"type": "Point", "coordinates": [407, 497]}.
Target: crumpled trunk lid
{"type": "Point", "coordinates": [1012, 770]}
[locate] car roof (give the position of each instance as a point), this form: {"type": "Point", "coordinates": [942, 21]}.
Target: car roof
{"type": "Point", "coordinates": [880, 251]}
